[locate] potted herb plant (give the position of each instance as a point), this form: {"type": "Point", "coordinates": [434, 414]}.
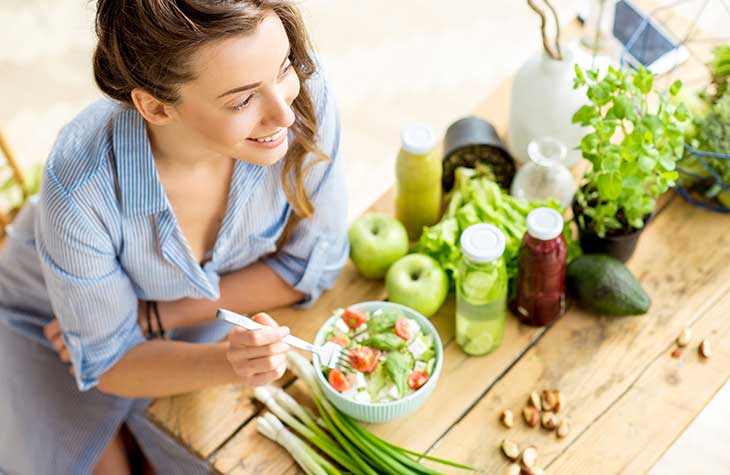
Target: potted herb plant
{"type": "Point", "coordinates": [634, 142]}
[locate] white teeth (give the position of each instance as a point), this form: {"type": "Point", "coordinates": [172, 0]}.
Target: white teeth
{"type": "Point", "coordinates": [270, 138]}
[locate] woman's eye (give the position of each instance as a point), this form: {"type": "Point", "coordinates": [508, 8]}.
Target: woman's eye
{"type": "Point", "coordinates": [286, 70]}
{"type": "Point", "coordinates": [243, 104]}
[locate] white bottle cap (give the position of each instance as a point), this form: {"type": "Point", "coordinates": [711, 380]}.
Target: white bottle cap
{"type": "Point", "coordinates": [482, 243]}
{"type": "Point", "coordinates": [417, 139]}
{"type": "Point", "coordinates": [544, 224]}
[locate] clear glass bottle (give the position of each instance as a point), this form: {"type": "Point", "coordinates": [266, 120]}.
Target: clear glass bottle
{"type": "Point", "coordinates": [542, 265]}
{"type": "Point", "coordinates": [545, 176]}
{"type": "Point", "coordinates": [418, 180]}
{"type": "Point", "coordinates": [481, 290]}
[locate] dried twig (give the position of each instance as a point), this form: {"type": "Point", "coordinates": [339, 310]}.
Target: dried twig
{"type": "Point", "coordinates": [17, 172]}
{"type": "Point", "coordinates": [543, 24]}
{"type": "Point", "coordinates": [557, 28]}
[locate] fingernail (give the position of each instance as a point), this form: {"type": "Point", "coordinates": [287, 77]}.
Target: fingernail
{"type": "Point", "coordinates": [285, 330]}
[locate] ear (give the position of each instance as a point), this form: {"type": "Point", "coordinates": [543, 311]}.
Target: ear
{"type": "Point", "coordinates": [150, 108]}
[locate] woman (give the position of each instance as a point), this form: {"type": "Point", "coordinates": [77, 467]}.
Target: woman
{"type": "Point", "coordinates": [212, 178]}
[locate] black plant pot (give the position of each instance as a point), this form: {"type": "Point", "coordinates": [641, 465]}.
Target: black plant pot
{"type": "Point", "coordinates": [621, 246]}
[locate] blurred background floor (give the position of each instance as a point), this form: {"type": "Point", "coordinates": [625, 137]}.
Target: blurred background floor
{"type": "Point", "coordinates": [389, 62]}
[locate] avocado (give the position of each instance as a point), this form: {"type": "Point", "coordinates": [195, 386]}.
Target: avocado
{"type": "Point", "coordinates": [602, 284]}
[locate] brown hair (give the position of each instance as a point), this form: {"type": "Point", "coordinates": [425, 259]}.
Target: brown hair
{"type": "Point", "coordinates": [148, 43]}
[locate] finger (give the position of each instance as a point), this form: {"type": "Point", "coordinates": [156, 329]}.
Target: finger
{"type": "Point", "coordinates": [65, 356]}
{"type": "Point", "coordinates": [265, 319]}
{"type": "Point", "coordinates": [72, 371]}
{"type": "Point", "coordinates": [265, 378]}
{"type": "Point", "coordinates": [58, 343]}
{"type": "Point", "coordinates": [52, 329]}
{"type": "Point", "coordinates": [263, 365]}
{"type": "Point", "coordinates": [264, 336]}
{"type": "Point", "coordinates": [251, 352]}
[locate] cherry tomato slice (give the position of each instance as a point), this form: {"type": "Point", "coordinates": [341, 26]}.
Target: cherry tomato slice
{"type": "Point", "coordinates": [343, 341]}
{"type": "Point", "coordinates": [403, 329]}
{"type": "Point", "coordinates": [354, 317]}
{"type": "Point", "coordinates": [417, 379]}
{"type": "Point", "coordinates": [338, 380]}
{"type": "Point", "coordinates": [364, 359]}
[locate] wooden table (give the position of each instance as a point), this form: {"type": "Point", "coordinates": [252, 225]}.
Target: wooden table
{"type": "Point", "coordinates": [627, 398]}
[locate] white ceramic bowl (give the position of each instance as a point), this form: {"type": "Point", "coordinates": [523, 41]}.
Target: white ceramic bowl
{"type": "Point", "coordinates": [376, 412]}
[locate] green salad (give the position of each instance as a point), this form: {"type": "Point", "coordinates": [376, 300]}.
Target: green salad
{"type": "Point", "coordinates": [389, 355]}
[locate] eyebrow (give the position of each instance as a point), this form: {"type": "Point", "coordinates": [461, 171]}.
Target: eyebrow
{"type": "Point", "coordinates": [256, 84]}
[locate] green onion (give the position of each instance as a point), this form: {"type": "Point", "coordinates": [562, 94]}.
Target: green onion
{"type": "Point", "coordinates": [364, 452]}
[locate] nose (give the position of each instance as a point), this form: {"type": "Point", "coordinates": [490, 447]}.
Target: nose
{"type": "Point", "coordinates": [278, 112]}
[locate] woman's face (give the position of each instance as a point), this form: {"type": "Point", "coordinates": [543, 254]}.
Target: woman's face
{"type": "Point", "coordinates": [239, 104]}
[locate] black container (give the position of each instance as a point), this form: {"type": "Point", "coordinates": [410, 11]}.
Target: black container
{"type": "Point", "coordinates": [621, 246]}
{"type": "Point", "coordinates": [471, 141]}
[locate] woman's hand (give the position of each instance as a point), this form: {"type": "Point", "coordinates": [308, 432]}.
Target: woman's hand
{"type": "Point", "coordinates": [52, 331]}
{"type": "Point", "coordinates": [258, 357]}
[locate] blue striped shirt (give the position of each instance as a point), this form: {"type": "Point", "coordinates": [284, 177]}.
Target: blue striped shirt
{"type": "Point", "coordinates": [102, 234]}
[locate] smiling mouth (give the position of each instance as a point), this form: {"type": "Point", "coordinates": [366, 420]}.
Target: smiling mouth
{"type": "Point", "coordinates": [270, 138]}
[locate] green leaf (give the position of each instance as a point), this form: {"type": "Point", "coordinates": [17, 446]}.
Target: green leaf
{"type": "Point", "coordinates": [378, 380]}
{"type": "Point", "coordinates": [585, 115]}
{"type": "Point", "coordinates": [384, 341]}
{"type": "Point", "coordinates": [383, 321]}
{"type": "Point", "coordinates": [675, 87]}
{"type": "Point", "coordinates": [609, 185]}
{"type": "Point", "coordinates": [397, 365]}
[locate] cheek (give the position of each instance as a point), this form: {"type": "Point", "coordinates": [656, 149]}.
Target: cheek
{"type": "Point", "coordinates": [224, 128]}
{"type": "Point", "coordinates": [292, 86]}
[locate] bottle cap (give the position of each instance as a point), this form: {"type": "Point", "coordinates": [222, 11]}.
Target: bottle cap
{"type": "Point", "coordinates": [417, 139]}
{"type": "Point", "coordinates": [544, 223]}
{"type": "Point", "coordinates": [482, 243]}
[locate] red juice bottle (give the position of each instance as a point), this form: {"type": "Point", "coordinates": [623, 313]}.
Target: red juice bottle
{"type": "Point", "coordinates": [542, 264]}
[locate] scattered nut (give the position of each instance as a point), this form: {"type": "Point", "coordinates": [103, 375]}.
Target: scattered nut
{"type": "Point", "coordinates": [535, 401]}
{"type": "Point", "coordinates": [529, 457]}
{"type": "Point", "coordinates": [684, 338]}
{"type": "Point", "coordinates": [563, 428]}
{"type": "Point", "coordinates": [549, 399]}
{"type": "Point", "coordinates": [677, 352]}
{"type": "Point", "coordinates": [514, 469]}
{"type": "Point", "coordinates": [549, 420]}
{"type": "Point", "coordinates": [508, 419]}
{"type": "Point", "coordinates": [532, 471]}
{"type": "Point", "coordinates": [705, 348]}
{"type": "Point", "coordinates": [531, 416]}
{"type": "Point", "coordinates": [511, 450]}
{"type": "Point", "coordinates": [561, 402]}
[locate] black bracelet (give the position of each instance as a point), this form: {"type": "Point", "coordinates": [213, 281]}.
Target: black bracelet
{"type": "Point", "coordinates": [160, 332]}
{"type": "Point", "coordinates": [160, 329]}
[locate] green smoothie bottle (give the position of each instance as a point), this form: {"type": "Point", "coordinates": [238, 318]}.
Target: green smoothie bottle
{"type": "Point", "coordinates": [481, 290]}
{"type": "Point", "coordinates": [418, 176]}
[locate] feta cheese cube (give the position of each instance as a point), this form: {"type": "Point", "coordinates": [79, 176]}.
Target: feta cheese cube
{"type": "Point", "coordinates": [340, 327]}
{"type": "Point", "coordinates": [363, 396]}
{"type": "Point", "coordinates": [420, 366]}
{"type": "Point", "coordinates": [360, 380]}
{"type": "Point", "coordinates": [393, 392]}
{"type": "Point", "coordinates": [361, 328]}
{"type": "Point", "coordinates": [350, 393]}
{"type": "Point", "coordinates": [417, 348]}
{"type": "Point", "coordinates": [385, 393]}
{"type": "Point", "coordinates": [413, 329]}
{"type": "Point", "coordinates": [362, 336]}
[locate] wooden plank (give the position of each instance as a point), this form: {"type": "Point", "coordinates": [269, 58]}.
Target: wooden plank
{"type": "Point", "coordinates": [657, 407]}
{"type": "Point", "coordinates": [682, 263]}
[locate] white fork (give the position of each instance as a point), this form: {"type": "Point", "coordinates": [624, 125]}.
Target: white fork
{"type": "Point", "coordinates": [330, 354]}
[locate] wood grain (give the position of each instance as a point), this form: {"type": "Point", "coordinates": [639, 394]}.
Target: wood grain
{"type": "Point", "coordinates": [682, 262]}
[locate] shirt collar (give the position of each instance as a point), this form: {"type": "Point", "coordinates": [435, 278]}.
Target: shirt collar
{"type": "Point", "coordinates": [139, 184]}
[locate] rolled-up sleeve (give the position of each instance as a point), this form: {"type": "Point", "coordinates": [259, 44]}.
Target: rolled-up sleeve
{"type": "Point", "coordinates": [318, 248]}
{"type": "Point", "coordinates": [92, 297]}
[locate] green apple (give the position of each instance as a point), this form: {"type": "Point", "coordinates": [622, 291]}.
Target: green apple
{"type": "Point", "coordinates": [376, 242]}
{"type": "Point", "coordinates": [419, 282]}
